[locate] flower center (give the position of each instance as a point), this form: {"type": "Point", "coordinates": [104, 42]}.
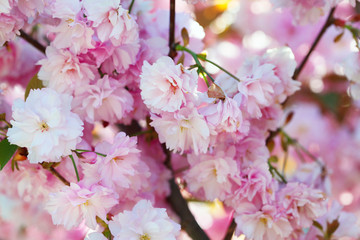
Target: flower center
{"type": "Point", "coordinates": [44, 126]}
{"type": "Point", "coordinates": [144, 237]}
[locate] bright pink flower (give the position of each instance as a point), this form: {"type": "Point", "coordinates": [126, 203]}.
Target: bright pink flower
{"type": "Point", "coordinates": [45, 125]}
{"type": "Point", "coordinates": [165, 86]}
{"type": "Point", "coordinates": [63, 72]}
{"type": "Point", "coordinates": [212, 173]}
{"type": "Point", "coordinates": [144, 222]}
{"type": "Point", "coordinates": [183, 130]}
{"type": "Point", "coordinates": [76, 203]}
{"type": "Point", "coordinates": [106, 100]}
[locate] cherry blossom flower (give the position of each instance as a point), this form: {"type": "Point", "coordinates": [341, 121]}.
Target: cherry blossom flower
{"type": "Point", "coordinates": [63, 71]}
{"type": "Point", "coordinates": [212, 174]}
{"type": "Point", "coordinates": [183, 130]}
{"type": "Point", "coordinates": [144, 222]}
{"type": "Point", "coordinates": [105, 100]}
{"type": "Point", "coordinates": [76, 203]}
{"type": "Point", "coordinates": [304, 204]}
{"type": "Point", "coordinates": [265, 224]}
{"type": "Point", "coordinates": [45, 125]}
{"type": "Point", "coordinates": [165, 86]}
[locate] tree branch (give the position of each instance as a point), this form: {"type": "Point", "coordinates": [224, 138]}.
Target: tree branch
{"type": "Point", "coordinates": [172, 52]}
{"type": "Point", "coordinates": [55, 173]}
{"type": "Point", "coordinates": [328, 23]}
{"type": "Point", "coordinates": [230, 231]}
{"type": "Point", "coordinates": [32, 41]}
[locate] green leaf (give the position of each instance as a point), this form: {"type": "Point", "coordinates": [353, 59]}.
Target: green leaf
{"type": "Point", "coordinates": [35, 83]}
{"type": "Point", "coordinates": [273, 159]}
{"type": "Point", "coordinates": [6, 152]}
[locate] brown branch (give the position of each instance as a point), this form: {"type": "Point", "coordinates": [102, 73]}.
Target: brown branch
{"type": "Point", "coordinates": [328, 23]}
{"type": "Point", "coordinates": [55, 173]}
{"type": "Point", "coordinates": [172, 52]}
{"type": "Point", "coordinates": [32, 41]}
{"type": "Point", "coordinates": [230, 231]}
{"type": "Point", "coordinates": [187, 220]}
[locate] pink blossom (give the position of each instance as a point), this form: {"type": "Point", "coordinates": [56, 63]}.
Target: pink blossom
{"type": "Point", "coordinates": [144, 222]}
{"type": "Point", "coordinates": [268, 223]}
{"type": "Point", "coordinates": [212, 173]}
{"type": "Point", "coordinates": [122, 169]}
{"type": "Point", "coordinates": [183, 130]}
{"type": "Point", "coordinates": [285, 64]}
{"type": "Point", "coordinates": [165, 86]}
{"type": "Point", "coordinates": [4, 6]}
{"type": "Point", "coordinates": [72, 32]}
{"type": "Point", "coordinates": [63, 71]}
{"type": "Point", "coordinates": [77, 203]}
{"type": "Point", "coordinates": [112, 22]}
{"type": "Point", "coordinates": [105, 100]}
{"type": "Point", "coordinates": [305, 12]}
{"type": "Point", "coordinates": [257, 85]}
{"type": "Point", "coordinates": [225, 116]}
{"type": "Point", "coordinates": [10, 24]}
{"type": "Point", "coordinates": [31, 7]}
{"type": "Point", "coordinates": [304, 204]}
{"type": "Point", "coordinates": [45, 125]}
{"type": "Point", "coordinates": [256, 180]}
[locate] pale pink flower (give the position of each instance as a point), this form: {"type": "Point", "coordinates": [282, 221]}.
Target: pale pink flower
{"type": "Point", "coordinates": [122, 168]}
{"type": "Point", "coordinates": [63, 72]}
{"type": "Point", "coordinates": [225, 116]}
{"type": "Point", "coordinates": [76, 203]}
{"type": "Point", "coordinates": [10, 24]}
{"type": "Point", "coordinates": [112, 22]}
{"type": "Point", "coordinates": [352, 72]}
{"type": "Point", "coordinates": [257, 85]}
{"type": "Point", "coordinates": [305, 11]}
{"type": "Point", "coordinates": [95, 236]}
{"type": "Point", "coordinates": [285, 64]}
{"type": "Point", "coordinates": [303, 203]}
{"type": "Point", "coordinates": [165, 86]}
{"type": "Point", "coordinates": [183, 130]}
{"type": "Point", "coordinates": [106, 100]}
{"type": "Point", "coordinates": [4, 6]}
{"type": "Point", "coordinates": [212, 173]}
{"type": "Point", "coordinates": [256, 180]}
{"type": "Point", "coordinates": [121, 58]}
{"type": "Point", "coordinates": [45, 125]}
{"type": "Point", "coordinates": [265, 224]}
{"type": "Point", "coordinates": [72, 32]}
{"type": "Point", "coordinates": [144, 222]}
{"type": "Point", "coordinates": [31, 7]}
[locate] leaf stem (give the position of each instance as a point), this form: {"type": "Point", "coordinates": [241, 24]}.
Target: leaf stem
{"type": "Point", "coordinates": [76, 171]}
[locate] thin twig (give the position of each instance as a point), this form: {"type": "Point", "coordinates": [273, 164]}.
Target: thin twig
{"type": "Point", "coordinates": [172, 52]}
{"type": "Point", "coordinates": [32, 41]}
{"type": "Point", "coordinates": [131, 5]}
{"type": "Point", "coordinates": [56, 174]}
{"type": "Point", "coordinates": [328, 23]}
